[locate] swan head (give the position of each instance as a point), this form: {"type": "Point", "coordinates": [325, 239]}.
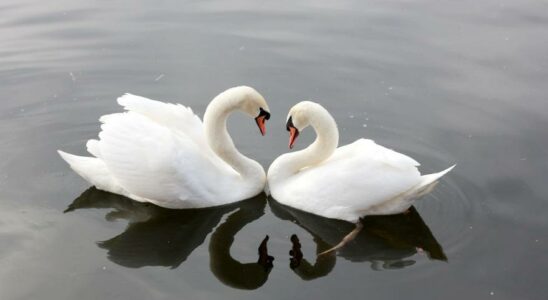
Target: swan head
{"type": "Point", "coordinates": [254, 105]}
{"type": "Point", "coordinates": [304, 114]}
{"type": "Point", "coordinates": [298, 119]}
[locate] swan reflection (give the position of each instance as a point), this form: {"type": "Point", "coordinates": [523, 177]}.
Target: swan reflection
{"type": "Point", "coordinates": [157, 236]}
{"type": "Point", "coordinates": [386, 242]}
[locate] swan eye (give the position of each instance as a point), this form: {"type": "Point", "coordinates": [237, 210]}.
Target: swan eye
{"type": "Point", "coordinates": [289, 123]}
{"type": "Point", "coordinates": [293, 132]}
{"type": "Point", "coordinates": [264, 113]}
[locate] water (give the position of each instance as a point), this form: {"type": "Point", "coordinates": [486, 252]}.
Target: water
{"type": "Point", "coordinates": [442, 81]}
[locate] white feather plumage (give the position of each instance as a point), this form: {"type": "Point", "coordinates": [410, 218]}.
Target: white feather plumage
{"type": "Point", "coordinates": [158, 152]}
{"type": "Point", "coordinates": [348, 182]}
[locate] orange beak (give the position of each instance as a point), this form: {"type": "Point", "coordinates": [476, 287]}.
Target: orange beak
{"type": "Point", "coordinates": [293, 134]}
{"type": "Point", "coordinates": [261, 120]}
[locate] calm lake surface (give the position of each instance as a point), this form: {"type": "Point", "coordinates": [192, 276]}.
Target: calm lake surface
{"type": "Point", "coordinates": [445, 82]}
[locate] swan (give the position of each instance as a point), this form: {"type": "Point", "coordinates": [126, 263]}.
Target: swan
{"type": "Point", "coordinates": [344, 183]}
{"type": "Point", "coordinates": [162, 153]}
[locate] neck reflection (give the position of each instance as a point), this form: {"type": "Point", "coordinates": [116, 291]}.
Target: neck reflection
{"type": "Point", "coordinates": [228, 270]}
{"type": "Point", "coordinates": [157, 236]}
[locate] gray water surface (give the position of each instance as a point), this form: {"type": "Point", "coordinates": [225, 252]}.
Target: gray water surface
{"type": "Point", "coordinates": [443, 81]}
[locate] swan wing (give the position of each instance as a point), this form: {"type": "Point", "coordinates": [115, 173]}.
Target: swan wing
{"type": "Point", "coordinates": [357, 177]}
{"type": "Point", "coordinates": [159, 163]}
{"type": "Point", "coordinates": [173, 116]}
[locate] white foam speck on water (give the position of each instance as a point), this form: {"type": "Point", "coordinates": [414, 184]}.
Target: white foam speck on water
{"type": "Point", "coordinates": [159, 77]}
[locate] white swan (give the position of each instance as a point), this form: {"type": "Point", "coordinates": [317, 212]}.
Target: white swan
{"type": "Point", "coordinates": [344, 183]}
{"type": "Point", "coordinates": [162, 153]}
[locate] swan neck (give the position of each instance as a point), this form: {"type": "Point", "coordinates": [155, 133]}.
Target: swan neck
{"type": "Point", "coordinates": [327, 140]}
{"type": "Point", "coordinates": [215, 119]}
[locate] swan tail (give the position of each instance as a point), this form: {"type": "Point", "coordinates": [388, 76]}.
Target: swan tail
{"type": "Point", "coordinates": [403, 201]}
{"type": "Point", "coordinates": [428, 182]}
{"type": "Point", "coordinates": [92, 147]}
{"type": "Point", "coordinates": [94, 171]}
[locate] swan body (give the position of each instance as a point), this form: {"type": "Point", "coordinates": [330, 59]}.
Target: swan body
{"type": "Point", "coordinates": [348, 182]}
{"type": "Point", "coordinates": [163, 154]}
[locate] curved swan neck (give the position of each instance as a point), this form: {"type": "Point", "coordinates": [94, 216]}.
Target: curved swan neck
{"type": "Point", "coordinates": [327, 140]}
{"type": "Point", "coordinates": [215, 118]}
